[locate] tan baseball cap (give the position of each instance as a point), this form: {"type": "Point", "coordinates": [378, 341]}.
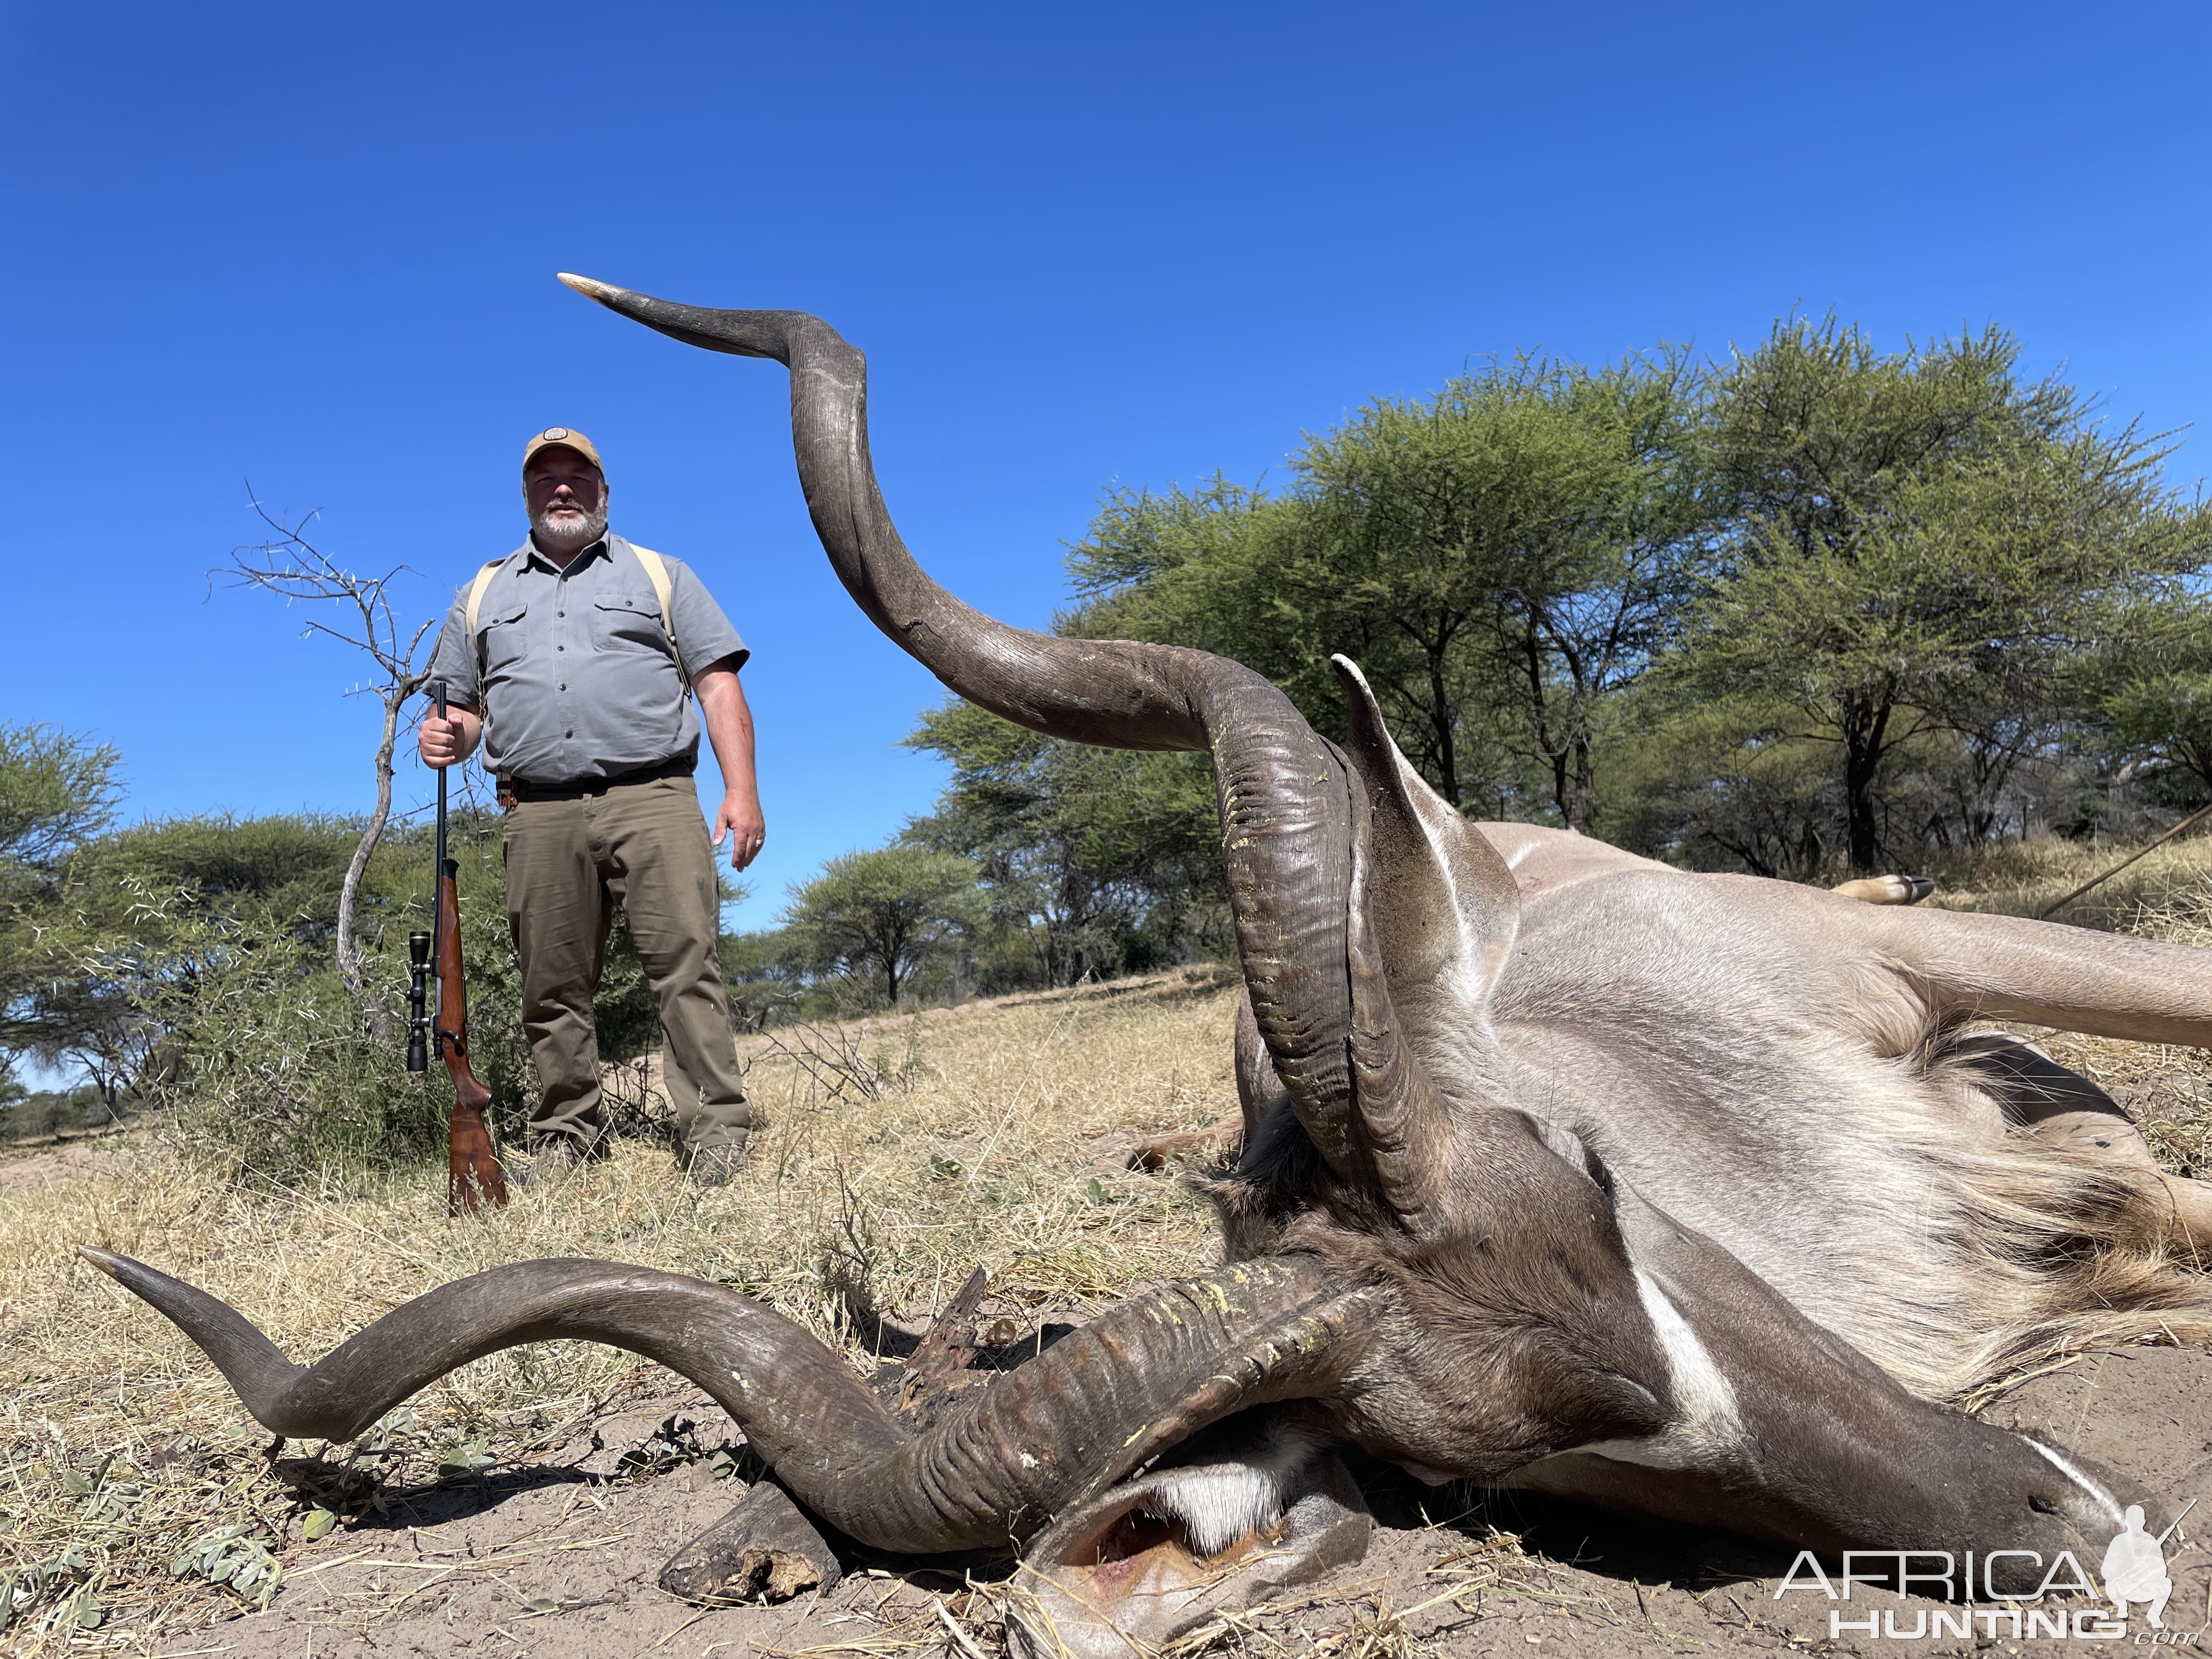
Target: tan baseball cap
{"type": "Point", "coordinates": [562, 437]}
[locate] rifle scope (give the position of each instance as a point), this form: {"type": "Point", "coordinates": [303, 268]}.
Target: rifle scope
{"type": "Point", "coordinates": [418, 1013]}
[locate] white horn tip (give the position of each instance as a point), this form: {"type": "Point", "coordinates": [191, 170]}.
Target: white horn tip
{"type": "Point", "coordinates": [1346, 666]}
{"type": "Point", "coordinates": [603, 292]}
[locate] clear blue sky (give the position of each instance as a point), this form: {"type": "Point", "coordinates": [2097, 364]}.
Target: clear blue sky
{"type": "Point", "coordinates": [313, 246]}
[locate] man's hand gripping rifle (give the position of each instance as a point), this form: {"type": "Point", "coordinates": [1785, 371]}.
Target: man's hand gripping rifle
{"type": "Point", "coordinates": [472, 1173]}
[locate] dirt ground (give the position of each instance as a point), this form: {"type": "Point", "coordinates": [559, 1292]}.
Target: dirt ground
{"type": "Point", "coordinates": [26, 1171]}
{"type": "Point", "coordinates": [560, 1559]}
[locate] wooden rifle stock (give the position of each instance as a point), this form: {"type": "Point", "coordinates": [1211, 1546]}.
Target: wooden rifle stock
{"type": "Point", "coordinates": [472, 1172]}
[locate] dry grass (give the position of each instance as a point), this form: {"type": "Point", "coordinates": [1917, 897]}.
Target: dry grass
{"type": "Point", "coordinates": [2019, 878]}
{"type": "Point", "coordinates": [124, 1450]}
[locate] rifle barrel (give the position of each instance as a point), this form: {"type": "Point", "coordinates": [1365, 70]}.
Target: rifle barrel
{"type": "Point", "coordinates": [437, 917]}
{"type": "Point", "coordinates": [2177, 1520]}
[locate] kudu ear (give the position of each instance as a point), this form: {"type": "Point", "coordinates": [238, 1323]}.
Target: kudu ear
{"type": "Point", "coordinates": [1442, 902]}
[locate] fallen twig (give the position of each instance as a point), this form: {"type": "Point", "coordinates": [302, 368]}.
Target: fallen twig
{"type": "Point", "coordinates": [959, 1636]}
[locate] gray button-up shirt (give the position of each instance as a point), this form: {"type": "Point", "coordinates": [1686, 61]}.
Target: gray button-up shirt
{"type": "Point", "coordinates": [578, 679]}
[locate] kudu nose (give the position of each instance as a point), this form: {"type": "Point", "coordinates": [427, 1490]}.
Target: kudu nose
{"type": "Point", "coordinates": [2078, 1490]}
{"type": "Point", "coordinates": [2051, 1502]}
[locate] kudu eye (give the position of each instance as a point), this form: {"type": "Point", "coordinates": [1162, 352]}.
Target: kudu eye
{"type": "Point", "coordinates": [1636, 1388]}
{"type": "Point", "coordinates": [1573, 1150]}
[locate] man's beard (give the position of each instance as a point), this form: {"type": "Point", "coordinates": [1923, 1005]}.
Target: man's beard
{"type": "Point", "coordinates": [571, 536]}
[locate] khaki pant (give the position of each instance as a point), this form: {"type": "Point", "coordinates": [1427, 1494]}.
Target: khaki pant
{"type": "Point", "coordinates": [569, 863]}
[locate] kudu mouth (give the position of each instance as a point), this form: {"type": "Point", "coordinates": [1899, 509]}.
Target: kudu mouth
{"type": "Point", "coordinates": [1000, 1464]}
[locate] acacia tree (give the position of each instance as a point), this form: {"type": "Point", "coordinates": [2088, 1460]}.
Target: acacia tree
{"type": "Point", "coordinates": [57, 797]}
{"type": "Point", "coordinates": [58, 793]}
{"type": "Point", "coordinates": [883, 912]}
{"type": "Point", "coordinates": [1077, 846]}
{"type": "Point", "coordinates": [1502, 559]}
{"type": "Point", "coordinates": [2155, 689]}
{"type": "Point", "coordinates": [1279, 584]}
{"type": "Point", "coordinates": [1909, 531]}
{"type": "Point", "coordinates": [1533, 521]}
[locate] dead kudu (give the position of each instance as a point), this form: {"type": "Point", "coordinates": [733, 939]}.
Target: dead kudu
{"type": "Point", "coordinates": [1562, 1169]}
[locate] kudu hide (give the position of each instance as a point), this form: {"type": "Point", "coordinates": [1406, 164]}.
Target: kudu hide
{"type": "Point", "coordinates": [1563, 1169]}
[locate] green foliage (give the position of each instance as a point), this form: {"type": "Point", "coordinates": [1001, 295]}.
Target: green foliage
{"type": "Point", "coordinates": [287, 865]}
{"type": "Point", "coordinates": [1092, 859]}
{"type": "Point", "coordinates": [112, 935]}
{"type": "Point", "coordinates": [261, 1051]}
{"type": "Point", "coordinates": [2152, 690]}
{"type": "Point", "coordinates": [58, 793]}
{"type": "Point", "coordinates": [1821, 603]}
{"type": "Point", "coordinates": [877, 916]}
{"type": "Point", "coordinates": [1920, 542]}
{"type": "Point", "coordinates": [1502, 559]}
{"type": "Point", "coordinates": [26, 1115]}
{"type": "Point", "coordinates": [764, 972]}
{"type": "Point", "coordinates": [1725, 782]}
{"type": "Point", "coordinates": [196, 975]}
{"type": "Point", "coordinates": [236, 1557]}
{"type": "Point", "coordinates": [272, 1060]}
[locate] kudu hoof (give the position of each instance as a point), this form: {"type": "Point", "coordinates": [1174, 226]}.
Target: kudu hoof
{"type": "Point", "coordinates": [1138, 1566]}
{"type": "Point", "coordinates": [1886, 889]}
{"type": "Point", "coordinates": [763, 1550]}
{"type": "Point", "coordinates": [1153, 1156]}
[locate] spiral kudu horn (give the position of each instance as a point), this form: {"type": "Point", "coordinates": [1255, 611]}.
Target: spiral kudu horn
{"type": "Point", "coordinates": [1287, 806]}
{"type": "Point", "coordinates": [989, 1471]}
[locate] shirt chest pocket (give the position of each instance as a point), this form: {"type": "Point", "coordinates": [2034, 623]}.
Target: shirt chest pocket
{"type": "Point", "coordinates": [501, 639]}
{"type": "Point", "coordinates": [628, 622]}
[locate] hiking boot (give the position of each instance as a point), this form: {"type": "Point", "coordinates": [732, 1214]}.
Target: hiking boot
{"type": "Point", "coordinates": [718, 1165]}
{"type": "Point", "coordinates": [553, 1157]}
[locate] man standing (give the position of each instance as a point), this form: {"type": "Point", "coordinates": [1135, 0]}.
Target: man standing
{"type": "Point", "coordinates": [571, 659]}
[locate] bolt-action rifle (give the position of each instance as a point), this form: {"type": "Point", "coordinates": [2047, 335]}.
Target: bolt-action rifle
{"type": "Point", "coordinates": [472, 1173]}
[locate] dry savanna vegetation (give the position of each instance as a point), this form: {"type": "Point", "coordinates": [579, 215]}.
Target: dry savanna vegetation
{"type": "Point", "coordinates": [981, 1136]}
{"type": "Point", "coordinates": [897, 1156]}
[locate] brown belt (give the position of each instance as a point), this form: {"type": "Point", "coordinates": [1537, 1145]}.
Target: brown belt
{"type": "Point", "coordinates": [511, 790]}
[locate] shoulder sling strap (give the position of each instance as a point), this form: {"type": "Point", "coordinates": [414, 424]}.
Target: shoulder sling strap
{"type": "Point", "coordinates": [477, 593]}
{"type": "Point", "coordinates": [656, 572]}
